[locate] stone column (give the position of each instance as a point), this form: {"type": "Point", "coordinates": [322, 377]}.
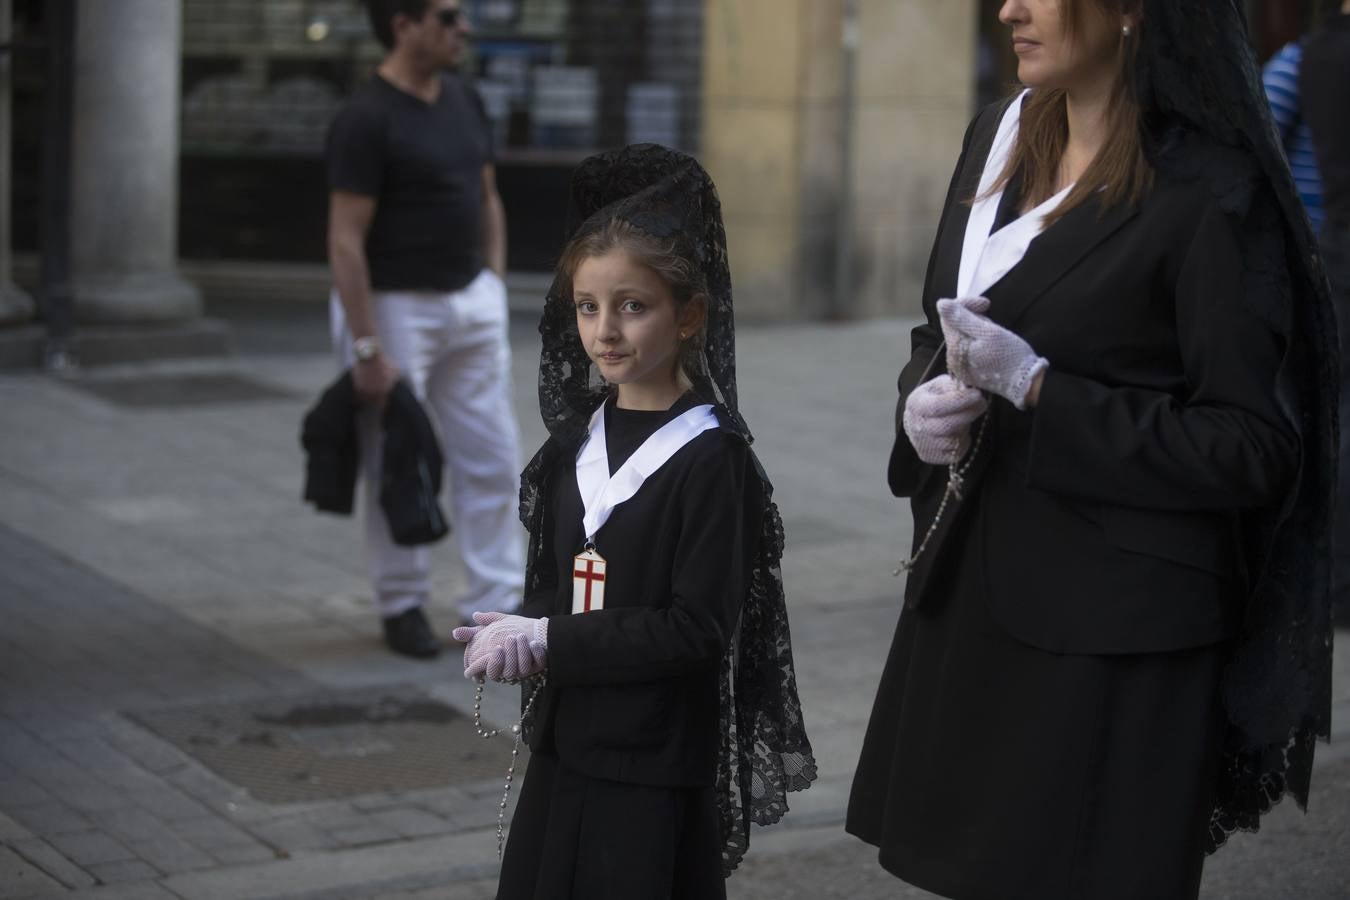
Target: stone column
{"type": "Point", "coordinates": [771, 91]}
{"type": "Point", "coordinates": [915, 97]}
{"type": "Point", "coordinates": [773, 141]}
{"type": "Point", "coordinates": [15, 305]}
{"type": "Point", "coordinates": [124, 217]}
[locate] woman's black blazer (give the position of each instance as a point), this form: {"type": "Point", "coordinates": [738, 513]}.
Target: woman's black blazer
{"type": "Point", "coordinates": [1111, 515]}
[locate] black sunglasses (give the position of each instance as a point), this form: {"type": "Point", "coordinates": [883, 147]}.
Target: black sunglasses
{"type": "Point", "coordinates": [449, 17]}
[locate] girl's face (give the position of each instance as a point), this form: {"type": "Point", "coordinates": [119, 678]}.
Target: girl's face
{"type": "Point", "coordinates": [629, 323]}
{"type": "Point", "coordinates": [1050, 58]}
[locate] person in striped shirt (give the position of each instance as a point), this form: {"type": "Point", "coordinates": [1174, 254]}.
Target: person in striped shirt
{"type": "Point", "coordinates": [1281, 77]}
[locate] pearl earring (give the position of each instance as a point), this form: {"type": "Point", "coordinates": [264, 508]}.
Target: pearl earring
{"type": "Point", "coordinates": [1126, 30]}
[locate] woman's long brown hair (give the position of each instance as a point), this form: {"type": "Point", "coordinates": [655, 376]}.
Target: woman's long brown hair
{"type": "Point", "coordinates": [1120, 170]}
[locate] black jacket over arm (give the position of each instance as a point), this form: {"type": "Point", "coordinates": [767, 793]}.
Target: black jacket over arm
{"type": "Point", "coordinates": [411, 464]}
{"type": "Point", "coordinates": [1112, 513]}
{"type": "Point", "coordinates": [632, 691]}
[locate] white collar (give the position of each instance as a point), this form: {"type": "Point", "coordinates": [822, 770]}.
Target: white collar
{"type": "Point", "coordinates": [986, 257]}
{"type": "Point", "coordinates": [600, 492]}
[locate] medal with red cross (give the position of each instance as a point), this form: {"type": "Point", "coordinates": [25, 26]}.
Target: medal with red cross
{"type": "Point", "coordinates": [588, 581]}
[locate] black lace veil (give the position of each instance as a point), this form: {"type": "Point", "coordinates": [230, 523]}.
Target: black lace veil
{"type": "Point", "coordinates": [1207, 119]}
{"type": "Point", "coordinates": [667, 195]}
{"type": "Point", "coordinates": [764, 750]}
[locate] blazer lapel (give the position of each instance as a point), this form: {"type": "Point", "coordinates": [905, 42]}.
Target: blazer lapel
{"type": "Point", "coordinates": [952, 228]}
{"type": "Point", "coordinates": [1050, 256]}
{"type": "Point", "coordinates": [948, 265]}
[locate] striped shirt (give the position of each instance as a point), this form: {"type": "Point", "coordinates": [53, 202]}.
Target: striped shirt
{"type": "Point", "coordinates": [1280, 77]}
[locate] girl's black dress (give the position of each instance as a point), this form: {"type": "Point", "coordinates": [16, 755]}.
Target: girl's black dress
{"type": "Point", "coordinates": [618, 799]}
{"type": "Point", "coordinates": [681, 692]}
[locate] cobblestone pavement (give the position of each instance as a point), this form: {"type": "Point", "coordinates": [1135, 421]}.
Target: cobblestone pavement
{"type": "Point", "coordinates": [154, 554]}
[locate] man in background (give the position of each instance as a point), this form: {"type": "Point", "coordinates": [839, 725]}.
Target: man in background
{"type": "Point", "coordinates": [417, 247]}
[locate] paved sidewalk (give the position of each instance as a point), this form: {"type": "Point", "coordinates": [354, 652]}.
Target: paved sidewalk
{"type": "Point", "coordinates": [157, 568]}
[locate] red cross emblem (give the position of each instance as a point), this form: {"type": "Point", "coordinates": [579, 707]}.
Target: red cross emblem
{"type": "Point", "coordinates": [590, 577]}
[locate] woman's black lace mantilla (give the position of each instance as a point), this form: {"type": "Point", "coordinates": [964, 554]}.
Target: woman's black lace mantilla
{"type": "Point", "coordinates": [764, 751]}
{"type": "Point", "coordinates": [1208, 120]}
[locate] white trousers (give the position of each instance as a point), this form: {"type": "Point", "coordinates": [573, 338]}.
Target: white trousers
{"type": "Point", "coordinates": [452, 348]}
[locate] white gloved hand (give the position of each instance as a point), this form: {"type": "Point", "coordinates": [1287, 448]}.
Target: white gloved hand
{"type": "Point", "coordinates": [937, 419]}
{"type": "Point", "coordinates": [503, 647]}
{"type": "Point", "coordinates": [983, 355]}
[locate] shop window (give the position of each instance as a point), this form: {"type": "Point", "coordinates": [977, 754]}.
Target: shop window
{"type": "Point", "coordinates": [560, 80]}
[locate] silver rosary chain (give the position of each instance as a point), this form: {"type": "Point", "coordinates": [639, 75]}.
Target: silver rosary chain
{"type": "Point", "coordinates": [954, 490]}
{"type": "Point", "coordinates": [517, 732]}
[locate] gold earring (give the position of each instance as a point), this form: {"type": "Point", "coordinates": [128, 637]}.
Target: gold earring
{"type": "Point", "coordinates": [683, 335]}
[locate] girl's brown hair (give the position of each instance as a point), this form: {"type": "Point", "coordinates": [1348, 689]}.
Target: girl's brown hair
{"type": "Point", "coordinates": [663, 256]}
{"type": "Point", "coordinates": [1120, 170]}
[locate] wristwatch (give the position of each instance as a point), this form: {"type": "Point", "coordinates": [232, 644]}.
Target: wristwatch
{"type": "Point", "coordinates": [366, 348]}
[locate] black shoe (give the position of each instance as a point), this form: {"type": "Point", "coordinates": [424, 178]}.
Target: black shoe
{"type": "Point", "coordinates": [409, 633]}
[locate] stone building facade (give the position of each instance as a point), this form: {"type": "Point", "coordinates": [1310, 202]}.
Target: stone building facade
{"type": "Point", "coordinates": [830, 126]}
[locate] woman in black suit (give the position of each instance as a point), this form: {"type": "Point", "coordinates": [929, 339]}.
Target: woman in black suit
{"type": "Point", "coordinates": [1117, 432]}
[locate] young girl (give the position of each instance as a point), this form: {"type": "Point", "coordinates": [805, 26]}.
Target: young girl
{"type": "Point", "coordinates": [654, 609]}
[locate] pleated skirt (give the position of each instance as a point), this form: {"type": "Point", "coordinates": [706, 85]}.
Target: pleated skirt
{"type": "Point", "coordinates": [579, 838]}
{"type": "Point", "coordinates": [993, 770]}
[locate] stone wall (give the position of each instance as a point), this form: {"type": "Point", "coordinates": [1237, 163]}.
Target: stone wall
{"type": "Point", "coordinates": [773, 83]}
{"type": "Point", "coordinates": [916, 77]}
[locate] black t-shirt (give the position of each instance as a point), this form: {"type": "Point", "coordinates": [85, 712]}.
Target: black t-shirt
{"type": "Point", "coordinates": [423, 163]}
{"type": "Point", "coordinates": [1325, 91]}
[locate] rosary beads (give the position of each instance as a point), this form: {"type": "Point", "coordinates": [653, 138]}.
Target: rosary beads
{"type": "Point", "coordinates": [517, 732]}
{"type": "Point", "coordinates": [956, 477]}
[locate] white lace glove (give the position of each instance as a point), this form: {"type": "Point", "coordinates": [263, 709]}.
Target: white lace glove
{"type": "Point", "coordinates": [503, 647]}
{"type": "Point", "coordinates": [983, 355]}
{"type": "Point", "coordinates": [937, 419]}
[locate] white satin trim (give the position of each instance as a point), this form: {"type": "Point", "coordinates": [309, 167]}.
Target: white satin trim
{"type": "Point", "coordinates": [985, 257]}
{"type": "Point", "coordinates": [601, 493]}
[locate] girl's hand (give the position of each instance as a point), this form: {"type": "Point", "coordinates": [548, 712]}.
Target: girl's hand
{"type": "Point", "coordinates": [504, 647]}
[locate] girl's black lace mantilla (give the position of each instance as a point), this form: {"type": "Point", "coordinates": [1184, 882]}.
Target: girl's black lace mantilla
{"type": "Point", "coordinates": [764, 751]}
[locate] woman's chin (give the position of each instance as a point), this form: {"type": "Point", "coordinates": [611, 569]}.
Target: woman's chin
{"type": "Point", "coordinates": [1027, 75]}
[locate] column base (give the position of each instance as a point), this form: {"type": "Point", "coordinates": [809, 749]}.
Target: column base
{"type": "Point", "coordinates": [105, 345]}
{"type": "Point", "coordinates": [16, 307]}
{"type": "Point", "coordinates": [135, 297]}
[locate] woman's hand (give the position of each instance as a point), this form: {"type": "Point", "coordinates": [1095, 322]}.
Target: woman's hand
{"type": "Point", "coordinates": [937, 419]}
{"type": "Point", "coordinates": [983, 355]}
